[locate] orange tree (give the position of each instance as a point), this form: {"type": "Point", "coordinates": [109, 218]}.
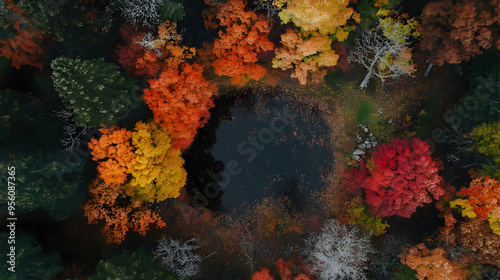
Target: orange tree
{"type": "Point", "coordinates": [163, 51]}
{"type": "Point", "coordinates": [244, 37]}
{"type": "Point", "coordinates": [110, 204]}
{"type": "Point", "coordinates": [482, 200]}
{"type": "Point", "coordinates": [305, 54]}
{"type": "Point", "coordinates": [455, 31]}
{"type": "Point", "coordinates": [180, 100]}
{"type": "Point", "coordinates": [20, 39]}
{"type": "Point", "coordinates": [146, 156]}
{"type": "Point", "coordinates": [476, 235]}
{"type": "Point", "coordinates": [432, 264]}
{"type": "Point", "coordinates": [262, 275]}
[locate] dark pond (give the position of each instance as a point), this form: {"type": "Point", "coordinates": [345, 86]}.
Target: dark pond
{"type": "Point", "coordinates": [268, 143]}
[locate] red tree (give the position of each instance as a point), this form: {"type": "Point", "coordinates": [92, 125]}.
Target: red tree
{"type": "Point", "coordinates": [237, 50]}
{"type": "Point", "coordinates": [180, 101]}
{"type": "Point", "coordinates": [292, 270]}
{"type": "Point", "coordinates": [455, 31]}
{"type": "Point", "coordinates": [402, 174]}
{"type": "Point", "coordinates": [128, 54]}
{"type": "Point", "coordinates": [22, 44]}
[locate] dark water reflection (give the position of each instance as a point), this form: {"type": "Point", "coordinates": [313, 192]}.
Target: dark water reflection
{"type": "Point", "coordinates": [267, 145]}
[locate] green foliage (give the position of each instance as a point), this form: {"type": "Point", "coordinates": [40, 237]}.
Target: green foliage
{"type": "Point", "coordinates": [31, 263]}
{"type": "Point", "coordinates": [482, 102]}
{"type": "Point", "coordinates": [487, 140]}
{"type": "Point", "coordinates": [29, 141]}
{"type": "Point", "coordinates": [95, 91]}
{"type": "Point", "coordinates": [367, 11]}
{"type": "Point", "coordinates": [487, 137]}
{"type": "Point", "coordinates": [368, 222]}
{"type": "Point", "coordinates": [172, 11]}
{"type": "Point", "coordinates": [365, 111]}
{"type": "Point", "coordinates": [492, 170]}
{"type": "Point", "coordinates": [66, 22]}
{"type": "Point", "coordinates": [139, 265]}
{"type": "Point", "coordinates": [404, 272]}
{"type": "Point", "coordinates": [383, 131]}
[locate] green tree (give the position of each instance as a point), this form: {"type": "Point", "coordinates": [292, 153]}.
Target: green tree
{"type": "Point", "coordinates": [95, 90]}
{"type": "Point", "coordinates": [172, 11]}
{"type": "Point", "coordinates": [75, 25]}
{"type": "Point", "coordinates": [487, 139]}
{"type": "Point", "coordinates": [31, 263]}
{"type": "Point", "coordinates": [482, 102]}
{"type": "Point", "coordinates": [29, 141]}
{"type": "Point", "coordinates": [138, 265]}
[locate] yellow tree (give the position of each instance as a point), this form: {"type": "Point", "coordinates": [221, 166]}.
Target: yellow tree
{"type": "Point", "coordinates": [158, 173]}
{"type": "Point", "coordinates": [326, 17]}
{"type": "Point", "coordinates": [385, 51]}
{"type": "Point", "coordinates": [146, 156]}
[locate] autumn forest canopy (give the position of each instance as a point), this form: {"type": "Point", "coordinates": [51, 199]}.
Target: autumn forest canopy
{"type": "Point", "coordinates": [250, 139]}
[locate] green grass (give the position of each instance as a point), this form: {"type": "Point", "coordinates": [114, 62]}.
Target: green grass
{"type": "Point", "coordinates": [365, 110]}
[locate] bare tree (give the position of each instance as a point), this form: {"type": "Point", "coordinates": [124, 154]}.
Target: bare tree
{"type": "Point", "coordinates": [179, 256]}
{"type": "Point", "coordinates": [386, 256]}
{"type": "Point", "coordinates": [145, 12]}
{"type": "Point", "coordinates": [268, 7]}
{"type": "Point", "coordinates": [384, 51]}
{"type": "Point", "coordinates": [248, 246]}
{"type": "Point", "coordinates": [72, 131]}
{"type": "Point", "coordinates": [338, 252]}
{"type": "Point", "coordinates": [151, 43]}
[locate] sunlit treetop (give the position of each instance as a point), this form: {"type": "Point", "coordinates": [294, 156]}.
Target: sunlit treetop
{"type": "Point", "coordinates": [327, 17]}
{"type": "Point", "coordinates": [305, 55]}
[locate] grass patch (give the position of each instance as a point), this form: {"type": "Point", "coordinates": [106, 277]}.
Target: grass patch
{"type": "Point", "coordinates": [365, 112]}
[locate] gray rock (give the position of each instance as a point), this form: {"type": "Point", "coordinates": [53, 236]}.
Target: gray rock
{"type": "Point", "coordinates": [358, 152]}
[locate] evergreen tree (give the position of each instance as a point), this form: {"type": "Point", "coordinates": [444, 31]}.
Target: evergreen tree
{"type": "Point", "coordinates": [95, 90]}
{"type": "Point", "coordinates": [29, 141]}
{"type": "Point", "coordinates": [69, 22]}
{"type": "Point", "coordinates": [31, 263]}
{"type": "Point", "coordinates": [139, 265]}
